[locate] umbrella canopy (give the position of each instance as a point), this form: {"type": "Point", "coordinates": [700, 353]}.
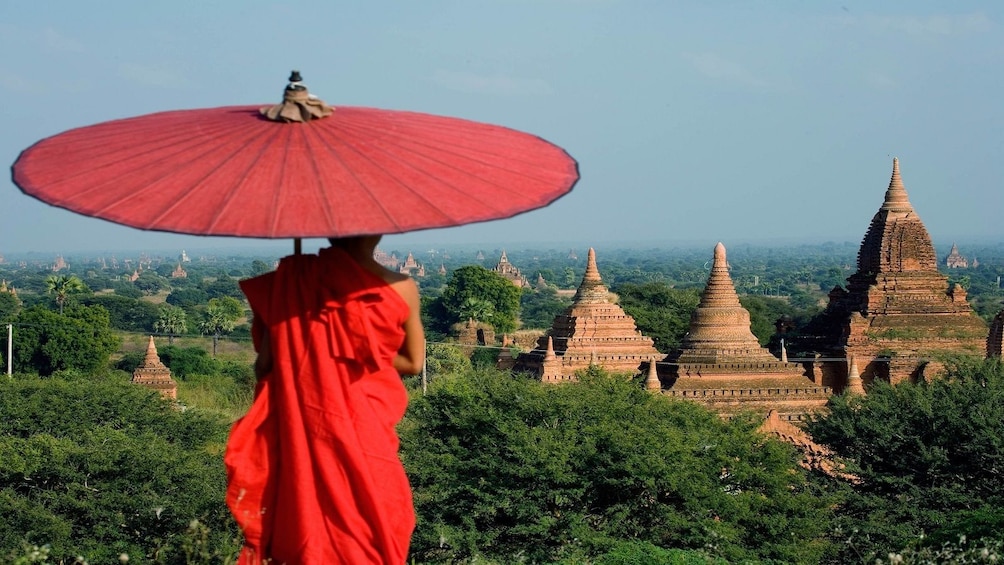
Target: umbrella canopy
{"type": "Point", "coordinates": [232, 171]}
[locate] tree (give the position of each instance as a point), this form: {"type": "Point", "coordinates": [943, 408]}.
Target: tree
{"type": "Point", "coordinates": [538, 308]}
{"type": "Point", "coordinates": [187, 297]}
{"type": "Point", "coordinates": [661, 312]}
{"type": "Point", "coordinates": [472, 289]}
{"type": "Point", "coordinates": [62, 286]}
{"type": "Point", "coordinates": [150, 283]}
{"type": "Point", "coordinates": [513, 470]}
{"type": "Point", "coordinates": [929, 458]}
{"type": "Point", "coordinates": [126, 314]}
{"type": "Point", "coordinates": [9, 306]}
{"type": "Point", "coordinates": [171, 321]}
{"type": "Point", "coordinates": [221, 317]}
{"type": "Point", "coordinates": [46, 342]}
{"type": "Point", "coordinates": [79, 458]}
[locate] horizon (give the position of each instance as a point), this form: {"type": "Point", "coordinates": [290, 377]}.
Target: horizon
{"type": "Point", "coordinates": [690, 122]}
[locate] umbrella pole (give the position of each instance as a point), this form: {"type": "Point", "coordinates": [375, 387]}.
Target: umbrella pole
{"type": "Point", "coordinates": [297, 246]}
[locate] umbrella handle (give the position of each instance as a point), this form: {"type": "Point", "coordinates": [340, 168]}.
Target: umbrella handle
{"type": "Point", "coordinates": [297, 246]}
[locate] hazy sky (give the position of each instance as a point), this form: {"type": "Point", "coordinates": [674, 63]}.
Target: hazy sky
{"type": "Point", "coordinates": [691, 121]}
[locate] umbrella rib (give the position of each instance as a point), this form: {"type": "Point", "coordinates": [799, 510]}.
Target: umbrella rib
{"type": "Point", "coordinates": [228, 199]}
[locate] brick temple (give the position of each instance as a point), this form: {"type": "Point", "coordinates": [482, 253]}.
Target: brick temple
{"type": "Point", "coordinates": [594, 330]}
{"type": "Point", "coordinates": [152, 373]}
{"type": "Point", "coordinates": [721, 364]}
{"type": "Point", "coordinates": [898, 315]}
{"type": "Point", "coordinates": [510, 272]}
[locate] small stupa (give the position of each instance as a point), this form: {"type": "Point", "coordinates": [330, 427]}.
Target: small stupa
{"type": "Point", "coordinates": [594, 330]}
{"type": "Point", "coordinates": [152, 373]}
{"type": "Point", "coordinates": [722, 364]}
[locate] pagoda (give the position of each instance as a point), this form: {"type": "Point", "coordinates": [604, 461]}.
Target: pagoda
{"type": "Point", "coordinates": [898, 312]}
{"type": "Point", "coordinates": [510, 272]}
{"type": "Point", "coordinates": [594, 330]}
{"type": "Point", "coordinates": [721, 363]}
{"type": "Point", "coordinates": [152, 373]}
{"type": "Point", "coordinates": [995, 338]}
{"type": "Point", "coordinates": [956, 260]}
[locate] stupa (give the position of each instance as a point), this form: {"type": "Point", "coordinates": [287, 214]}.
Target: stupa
{"type": "Point", "coordinates": [898, 313]}
{"type": "Point", "coordinates": [152, 373]}
{"type": "Point", "coordinates": [722, 364]}
{"type": "Point", "coordinates": [593, 330]}
{"type": "Point", "coordinates": [956, 260]}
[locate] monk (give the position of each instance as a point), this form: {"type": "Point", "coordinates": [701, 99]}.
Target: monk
{"type": "Point", "coordinates": [313, 471]}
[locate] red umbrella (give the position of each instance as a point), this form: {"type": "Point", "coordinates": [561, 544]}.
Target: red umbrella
{"type": "Point", "coordinates": [233, 171]}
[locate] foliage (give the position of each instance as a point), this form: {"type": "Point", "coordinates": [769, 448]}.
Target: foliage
{"type": "Point", "coordinates": [45, 342]}
{"type": "Point", "coordinates": [171, 320]}
{"type": "Point", "coordinates": [101, 468]}
{"type": "Point", "coordinates": [187, 297]}
{"type": "Point", "coordinates": [928, 455]}
{"type": "Point", "coordinates": [221, 317]}
{"type": "Point", "coordinates": [61, 287]}
{"type": "Point", "coordinates": [445, 359]}
{"type": "Point", "coordinates": [538, 308]}
{"type": "Point", "coordinates": [9, 306]}
{"type": "Point", "coordinates": [516, 470]}
{"type": "Point", "coordinates": [764, 312]}
{"type": "Point", "coordinates": [476, 291]}
{"type": "Point", "coordinates": [660, 311]}
{"type": "Point", "coordinates": [224, 287]}
{"type": "Point", "coordinates": [126, 314]}
{"type": "Point", "coordinates": [150, 283]}
{"type": "Point", "coordinates": [127, 290]}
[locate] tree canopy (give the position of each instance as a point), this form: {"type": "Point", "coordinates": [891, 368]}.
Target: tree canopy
{"type": "Point", "coordinates": [513, 469]}
{"type": "Point", "coordinates": [474, 291]}
{"type": "Point", "coordinates": [80, 339]}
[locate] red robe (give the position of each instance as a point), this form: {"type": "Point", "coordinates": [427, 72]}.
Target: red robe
{"type": "Point", "coordinates": [313, 471]}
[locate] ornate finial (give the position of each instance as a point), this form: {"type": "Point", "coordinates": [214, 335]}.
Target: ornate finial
{"type": "Point", "coordinates": [784, 352]}
{"type": "Point", "coordinates": [298, 105]}
{"type": "Point", "coordinates": [592, 273]}
{"type": "Point", "coordinates": [896, 199]}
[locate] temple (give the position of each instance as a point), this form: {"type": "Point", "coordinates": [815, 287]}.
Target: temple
{"type": "Point", "coordinates": [721, 364]}
{"type": "Point", "coordinates": [152, 373]}
{"type": "Point", "coordinates": [594, 330]}
{"type": "Point", "coordinates": [898, 313]}
{"type": "Point", "coordinates": [995, 338]}
{"type": "Point", "coordinates": [956, 260]}
{"type": "Point", "coordinates": [510, 272]}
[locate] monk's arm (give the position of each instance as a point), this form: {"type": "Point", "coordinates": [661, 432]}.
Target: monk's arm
{"type": "Point", "coordinates": [411, 357]}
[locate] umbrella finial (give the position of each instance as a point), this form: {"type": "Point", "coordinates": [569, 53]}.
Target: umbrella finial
{"type": "Point", "coordinates": [298, 105]}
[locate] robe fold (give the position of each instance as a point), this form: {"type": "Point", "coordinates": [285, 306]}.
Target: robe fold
{"type": "Point", "coordinates": [313, 471]}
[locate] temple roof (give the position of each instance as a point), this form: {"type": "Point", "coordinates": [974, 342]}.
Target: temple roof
{"type": "Point", "coordinates": [720, 326]}
{"type": "Point", "coordinates": [896, 240]}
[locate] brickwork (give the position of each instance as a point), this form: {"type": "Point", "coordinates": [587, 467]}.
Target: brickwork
{"type": "Point", "coordinates": [152, 373]}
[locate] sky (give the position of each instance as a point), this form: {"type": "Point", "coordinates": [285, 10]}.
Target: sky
{"type": "Point", "coordinates": [692, 122]}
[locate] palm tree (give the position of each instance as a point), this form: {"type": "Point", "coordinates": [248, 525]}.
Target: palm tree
{"type": "Point", "coordinates": [62, 286]}
{"type": "Point", "coordinates": [172, 321]}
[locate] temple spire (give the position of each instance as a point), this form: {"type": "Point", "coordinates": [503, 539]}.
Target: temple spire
{"type": "Point", "coordinates": [896, 199]}
{"type": "Point", "coordinates": [652, 382]}
{"type": "Point", "coordinates": [854, 384]}
{"type": "Point", "coordinates": [591, 289]}
{"type": "Point", "coordinates": [549, 354]}
{"type": "Point", "coordinates": [720, 292]}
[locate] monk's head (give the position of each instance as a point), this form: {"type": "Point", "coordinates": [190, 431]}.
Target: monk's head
{"type": "Point", "coordinates": [361, 242]}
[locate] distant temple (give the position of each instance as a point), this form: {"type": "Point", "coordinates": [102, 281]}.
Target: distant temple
{"type": "Point", "coordinates": [510, 272]}
{"type": "Point", "coordinates": [179, 273]}
{"type": "Point", "coordinates": [184, 258]}
{"type": "Point", "coordinates": [898, 312]}
{"type": "Point", "coordinates": [411, 267]}
{"type": "Point", "coordinates": [152, 373]}
{"type": "Point", "coordinates": [721, 364]}
{"type": "Point", "coordinates": [594, 330]}
{"type": "Point", "coordinates": [955, 260]}
{"type": "Point", "coordinates": [59, 264]}
{"type": "Point", "coordinates": [389, 261]}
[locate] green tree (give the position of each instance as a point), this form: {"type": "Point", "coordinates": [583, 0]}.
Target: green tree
{"type": "Point", "coordinates": [126, 314]}
{"type": "Point", "coordinates": [538, 308]}
{"type": "Point", "coordinates": [97, 468]}
{"type": "Point", "coordinates": [661, 312]}
{"type": "Point", "coordinates": [471, 288]}
{"type": "Point", "coordinates": [221, 317]}
{"type": "Point", "coordinates": [46, 342]}
{"type": "Point", "coordinates": [515, 470]}
{"type": "Point", "coordinates": [10, 305]}
{"type": "Point", "coordinates": [61, 287]}
{"type": "Point", "coordinates": [150, 283]}
{"type": "Point", "coordinates": [929, 458]}
{"type": "Point", "coordinates": [187, 297]}
{"type": "Point", "coordinates": [172, 321]}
